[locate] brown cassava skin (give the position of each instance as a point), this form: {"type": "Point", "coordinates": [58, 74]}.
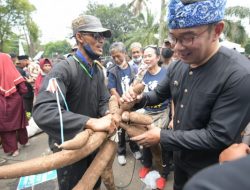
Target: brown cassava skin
{"type": "Point", "coordinates": [97, 166]}
{"type": "Point", "coordinates": [108, 176]}
{"type": "Point", "coordinates": [132, 131]}
{"type": "Point", "coordinates": [52, 161]}
{"type": "Point", "coordinates": [113, 104]}
{"type": "Point", "coordinates": [139, 126]}
{"type": "Point", "coordinates": [138, 89]}
{"type": "Point", "coordinates": [78, 141]}
{"type": "Point", "coordinates": [140, 118]}
{"type": "Point", "coordinates": [117, 117]}
{"type": "Point", "coordinates": [125, 116]}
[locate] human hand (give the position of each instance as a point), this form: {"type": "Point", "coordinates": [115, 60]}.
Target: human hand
{"type": "Point", "coordinates": [29, 79]}
{"type": "Point", "coordinates": [234, 152]}
{"type": "Point", "coordinates": [106, 123]}
{"type": "Point", "coordinates": [149, 138]}
{"type": "Point", "coordinates": [171, 124]}
{"type": "Point", "coordinates": [130, 96]}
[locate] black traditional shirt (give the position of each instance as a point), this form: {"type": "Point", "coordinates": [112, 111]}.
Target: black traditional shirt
{"type": "Point", "coordinates": [212, 106]}
{"type": "Point", "coordinates": [86, 97]}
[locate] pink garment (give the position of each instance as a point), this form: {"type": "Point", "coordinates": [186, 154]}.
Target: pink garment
{"type": "Point", "coordinates": [12, 114]}
{"type": "Point", "coordinates": [40, 77]}
{"type": "Point", "coordinates": [9, 76]}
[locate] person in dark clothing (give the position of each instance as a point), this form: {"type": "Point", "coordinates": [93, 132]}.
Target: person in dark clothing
{"type": "Point", "coordinates": [210, 88]}
{"type": "Point", "coordinates": [231, 175]}
{"type": "Point", "coordinates": [23, 61]}
{"type": "Point", "coordinates": [119, 79]}
{"type": "Point", "coordinates": [81, 81]}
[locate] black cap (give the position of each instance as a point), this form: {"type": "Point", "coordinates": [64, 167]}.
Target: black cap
{"type": "Point", "coordinates": [22, 57]}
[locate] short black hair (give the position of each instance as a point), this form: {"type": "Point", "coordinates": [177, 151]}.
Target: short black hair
{"type": "Point", "coordinates": [167, 53]}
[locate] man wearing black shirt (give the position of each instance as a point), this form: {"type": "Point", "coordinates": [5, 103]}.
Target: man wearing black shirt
{"type": "Point", "coordinates": [209, 85]}
{"type": "Point", "coordinates": [81, 81]}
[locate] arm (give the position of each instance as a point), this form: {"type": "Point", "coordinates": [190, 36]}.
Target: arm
{"type": "Point", "coordinates": [234, 152]}
{"type": "Point", "coordinates": [104, 95]}
{"type": "Point", "coordinates": [171, 123]}
{"type": "Point", "coordinates": [46, 113]}
{"type": "Point", "coordinates": [112, 85]}
{"type": "Point", "coordinates": [22, 88]}
{"type": "Point", "coordinates": [225, 125]}
{"type": "Point", "coordinates": [229, 116]}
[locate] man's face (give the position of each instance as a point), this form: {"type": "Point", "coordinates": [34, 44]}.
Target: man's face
{"type": "Point", "coordinates": [118, 57]}
{"type": "Point", "coordinates": [192, 45]}
{"type": "Point", "coordinates": [46, 68]}
{"type": "Point", "coordinates": [95, 41]}
{"type": "Point", "coordinates": [24, 63]}
{"type": "Point", "coordinates": [136, 52]}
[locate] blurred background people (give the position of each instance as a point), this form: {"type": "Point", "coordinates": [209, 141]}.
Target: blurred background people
{"type": "Point", "coordinates": [13, 120]}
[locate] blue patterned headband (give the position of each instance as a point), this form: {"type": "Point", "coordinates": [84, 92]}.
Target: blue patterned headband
{"type": "Point", "coordinates": [190, 13]}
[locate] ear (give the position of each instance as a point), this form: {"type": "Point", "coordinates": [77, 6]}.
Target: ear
{"type": "Point", "coordinates": [79, 37]}
{"type": "Point", "coordinates": [219, 27]}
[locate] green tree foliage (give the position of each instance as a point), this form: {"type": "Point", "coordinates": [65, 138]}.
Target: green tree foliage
{"type": "Point", "coordinates": [146, 33]}
{"type": "Point", "coordinates": [234, 30]}
{"type": "Point", "coordinates": [238, 11]}
{"type": "Point", "coordinates": [119, 20]}
{"type": "Point", "coordinates": [124, 26]}
{"type": "Point", "coordinates": [56, 48]}
{"type": "Point", "coordinates": [13, 13]}
{"type": "Point", "coordinates": [247, 49]}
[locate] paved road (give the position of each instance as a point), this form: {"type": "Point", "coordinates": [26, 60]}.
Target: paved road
{"type": "Point", "coordinates": [126, 177]}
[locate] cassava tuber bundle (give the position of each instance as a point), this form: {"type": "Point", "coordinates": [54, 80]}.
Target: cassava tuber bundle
{"type": "Point", "coordinates": [77, 142]}
{"type": "Point", "coordinates": [138, 118]}
{"type": "Point", "coordinates": [52, 161]}
{"type": "Point", "coordinates": [132, 130]}
{"type": "Point", "coordinates": [138, 89]}
{"type": "Point", "coordinates": [97, 166]}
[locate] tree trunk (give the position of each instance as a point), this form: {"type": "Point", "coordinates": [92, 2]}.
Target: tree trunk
{"type": "Point", "coordinates": [162, 27]}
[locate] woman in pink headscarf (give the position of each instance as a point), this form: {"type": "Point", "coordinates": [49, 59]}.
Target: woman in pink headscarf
{"type": "Point", "coordinates": [13, 120]}
{"type": "Point", "coordinates": [45, 65]}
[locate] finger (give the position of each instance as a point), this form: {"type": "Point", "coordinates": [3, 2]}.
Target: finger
{"type": "Point", "coordinates": [121, 99]}
{"type": "Point", "coordinates": [243, 145]}
{"type": "Point", "coordinates": [138, 138]}
{"type": "Point", "coordinates": [234, 145]}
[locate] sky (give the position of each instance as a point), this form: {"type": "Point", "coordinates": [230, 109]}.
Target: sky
{"type": "Point", "coordinates": [54, 17]}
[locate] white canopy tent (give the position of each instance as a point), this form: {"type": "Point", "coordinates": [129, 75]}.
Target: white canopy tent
{"type": "Point", "coordinates": [232, 45]}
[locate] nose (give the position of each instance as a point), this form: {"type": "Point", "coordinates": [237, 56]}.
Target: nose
{"type": "Point", "coordinates": [178, 46]}
{"type": "Point", "coordinates": [101, 39]}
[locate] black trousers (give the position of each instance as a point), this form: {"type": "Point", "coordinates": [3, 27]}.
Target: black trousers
{"type": "Point", "coordinates": [182, 174]}
{"type": "Point", "coordinates": [122, 144]}
{"type": "Point", "coordinates": [28, 104]}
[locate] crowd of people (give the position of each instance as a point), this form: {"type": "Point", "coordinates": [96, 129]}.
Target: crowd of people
{"type": "Point", "coordinates": [18, 91]}
{"type": "Point", "coordinates": [196, 91]}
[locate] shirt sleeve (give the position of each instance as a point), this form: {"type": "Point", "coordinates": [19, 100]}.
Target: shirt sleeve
{"type": "Point", "coordinates": [46, 113]}
{"type": "Point", "coordinates": [111, 81]}
{"type": "Point", "coordinates": [160, 94]}
{"type": "Point", "coordinates": [104, 96]}
{"type": "Point", "coordinates": [229, 116]}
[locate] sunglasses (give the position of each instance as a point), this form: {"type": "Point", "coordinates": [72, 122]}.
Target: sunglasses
{"type": "Point", "coordinates": [97, 36]}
